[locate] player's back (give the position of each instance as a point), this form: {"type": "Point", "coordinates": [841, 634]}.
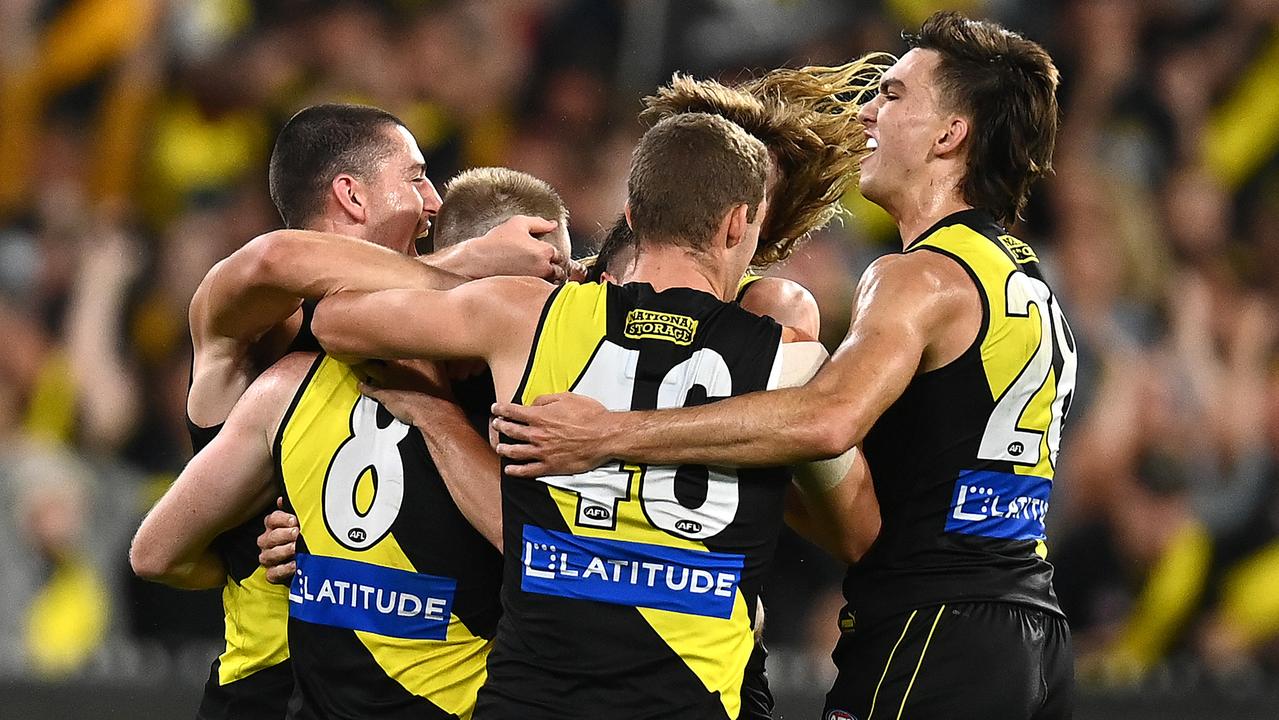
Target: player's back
{"type": "Point", "coordinates": [395, 600]}
{"type": "Point", "coordinates": [629, 590]}
{"type": "Point", "coordinates": [963, 461]}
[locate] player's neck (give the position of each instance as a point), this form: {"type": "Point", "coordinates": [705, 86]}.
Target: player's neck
{"type": "Point", "coordinates": [922, 209]}
{"type": "Point", "coordinates": [666, 267]}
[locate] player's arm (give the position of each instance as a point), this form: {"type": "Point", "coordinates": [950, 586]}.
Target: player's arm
{"type": "Point", "coordinates": [471, 321]}
{"type": "Point", "coordinates": [841, 517]}
{"type": "Point", "coordinates": [263, 283]}
{"type": "Point", "coordinates": [222, 486]}
{"type": "Point", "coordinates": [470, 468]}
{"type": "Point", "coordinates": [831, 503]}
{"type": "Point", "coordinates": [785, 301]}
{"type": "Point", "coordinates": [512, 248]}
{"type": "Point", "coordinates": [902, 303]}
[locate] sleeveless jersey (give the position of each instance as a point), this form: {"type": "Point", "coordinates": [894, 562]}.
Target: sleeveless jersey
{"type": "Point", "coordinates": [963, 461]}
{"type": "Point", "coordinates": [395, 600]}
{"type": "Point", "coordinates": [252, 678]}
{"type": "Point", "coordinates": [629, 590]}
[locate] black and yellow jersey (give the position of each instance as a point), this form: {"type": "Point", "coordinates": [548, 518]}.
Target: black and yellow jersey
{"type": "Point", "coordinates": [252, 678]}
{"type": "Point", "coordinates": [744, 285]}
{"type": "Point", "coordinates": [395, 601]}
{"type": "Point", "coordinates": [963, 461]}
{"type": "Point", "coordinates": [630, 590]}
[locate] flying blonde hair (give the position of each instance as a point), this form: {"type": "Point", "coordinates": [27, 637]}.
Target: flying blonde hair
{"type": "Point", "coordinates": [807, 118]}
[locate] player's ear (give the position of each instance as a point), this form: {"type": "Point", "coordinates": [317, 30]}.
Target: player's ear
{"type": "Point", "coordinates": [734, 225]}
{"type": "Point", "coordinates": [349, 194]}
{"type": "Point", "coordinates": [626, 210]}
{"type": "Point", "coordinates": [956, 132]}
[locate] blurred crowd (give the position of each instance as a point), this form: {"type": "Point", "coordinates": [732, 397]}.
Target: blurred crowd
{"type": "Point", "coordinates": [134, 136]}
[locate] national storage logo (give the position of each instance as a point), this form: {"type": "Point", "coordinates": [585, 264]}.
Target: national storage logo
{"type": "Point", "coordinates": [653, 325]}
{"type": "Point", "coordinates": [621, 572]}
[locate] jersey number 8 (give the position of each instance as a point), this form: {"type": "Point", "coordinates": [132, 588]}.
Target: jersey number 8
{"type": "Point", "coordinates": [369, 449]}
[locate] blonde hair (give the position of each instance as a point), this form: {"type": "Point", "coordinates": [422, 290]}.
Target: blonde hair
{"type": "Point", "coordinates": [807, 118]}
{"type": "Point", "coordinates": [480, 199]}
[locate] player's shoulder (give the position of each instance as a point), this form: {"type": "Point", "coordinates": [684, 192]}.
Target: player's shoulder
{"type": "Point", "coordinates": [915, 273]}
{"type": "Point", "coordinates": [278, 383]}
{"type": "Point", "coordinates": [786, 301]}
{"type": "Point", "coordinates": [509, 288]}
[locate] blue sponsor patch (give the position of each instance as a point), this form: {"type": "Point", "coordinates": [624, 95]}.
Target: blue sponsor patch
{"type": "Point", "coordinates": [999, 505]}
{"type": "Point", "coordinates": [359, 596]}
{"type": "Point", "coordinates": [629, 573]}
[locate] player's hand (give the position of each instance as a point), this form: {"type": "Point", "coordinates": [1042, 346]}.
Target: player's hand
{"type": "Point", "coordinates": [513, 248]}
{"type": "Point", "coordinates": [277, 546]}
{"type": "Point", "coordinates": [559, 434]}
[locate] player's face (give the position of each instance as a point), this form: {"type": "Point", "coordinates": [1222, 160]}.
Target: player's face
{"type": "Point", "coordinates": [402, 199]}
{"type": "Point", "coordinates": [902, 123]}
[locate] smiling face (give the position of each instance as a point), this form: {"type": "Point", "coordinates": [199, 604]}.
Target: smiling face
{"type": "Point", "coordinates": [903, 124]}
{"type": "Point", "coordinates": [401, 199]}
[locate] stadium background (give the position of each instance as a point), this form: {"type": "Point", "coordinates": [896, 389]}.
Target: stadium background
{"type": "Point", "coordinates": [133, 143]}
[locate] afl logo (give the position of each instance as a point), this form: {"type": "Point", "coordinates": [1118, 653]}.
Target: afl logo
{"type": "Point", "coordinates": [1016, 448]}
{"type": "Point", "coordinates": [595, 512]}
{"type": "Point", "coordinates": [840, 715]}
{"type": "Point", "coordinates": [356, 535]}
{"type": "Point", "coordinates": [688, 526]}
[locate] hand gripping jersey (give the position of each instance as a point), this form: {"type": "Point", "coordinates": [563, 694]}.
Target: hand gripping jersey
{"type": "Point", "coordinates": [395, 600]}
{"type": "Point", "coordinates": [629, 590]}
{"type": "Point", "coordinates": [963, 461]}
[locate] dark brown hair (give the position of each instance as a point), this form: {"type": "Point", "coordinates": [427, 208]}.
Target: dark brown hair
{"type": "Point", "coordinates": [808, 120]}
{"type": "Point", "coordinates": [687, 172]}
{"type": "Point", "coordinates": [319, 143]}
{"type": "Point", "coordinates": [1007, 85]}
{"type": "Point", "coordinates": [480, 199]}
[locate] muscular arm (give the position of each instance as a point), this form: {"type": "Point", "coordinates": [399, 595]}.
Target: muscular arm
{"type": "Point", "coordinates": [220, 488]}
{"type": "Point", "coordinates": [468, 465]}
{"type": "Point", "coordinates": [264, 282]}
{"type": "Point", "coordinates": [481, 319]}
{"type": "Point", "coordinates": [904, 303]}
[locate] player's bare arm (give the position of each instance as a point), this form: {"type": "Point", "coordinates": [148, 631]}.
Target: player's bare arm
{"type": "Point", "coordinates": [222, 486]}
{"type": "Point", "coordinates": [913, 313]}
{"type": "Point", "coordinates": [512, 248]}
{"type": "Point", "coordinates": [470, 468]}
{"type": "Point", "coordinates": [785, 301]}
{"type": "Point", "coordinates": [494, 319]}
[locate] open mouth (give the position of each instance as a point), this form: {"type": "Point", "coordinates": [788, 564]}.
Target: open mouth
{"type": "Point", "coordinates": [872, 143]}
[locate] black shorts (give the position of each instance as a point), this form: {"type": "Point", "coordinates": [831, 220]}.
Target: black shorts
{"type": "Point", "coordinates": [264, 695]}
{"type": "Point", "coordinates": [966, 660]}
{"type": "Point", "coordinates": [757, 699]}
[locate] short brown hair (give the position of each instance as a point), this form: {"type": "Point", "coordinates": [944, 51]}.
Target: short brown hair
{"type": "Point", "coordinates": [319, 143]}
{"type": "Point", "coordinates": [480, 199]}
{"type": "Point", "coordinates": [1007, 85]}
{"type": "Point", "coordinates": [808, 119]}
{"type": "Point", "coordinates": [687, 172]}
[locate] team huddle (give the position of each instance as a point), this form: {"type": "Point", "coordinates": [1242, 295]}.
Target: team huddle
{"type": "Point", "coordinates": [512, 485]}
